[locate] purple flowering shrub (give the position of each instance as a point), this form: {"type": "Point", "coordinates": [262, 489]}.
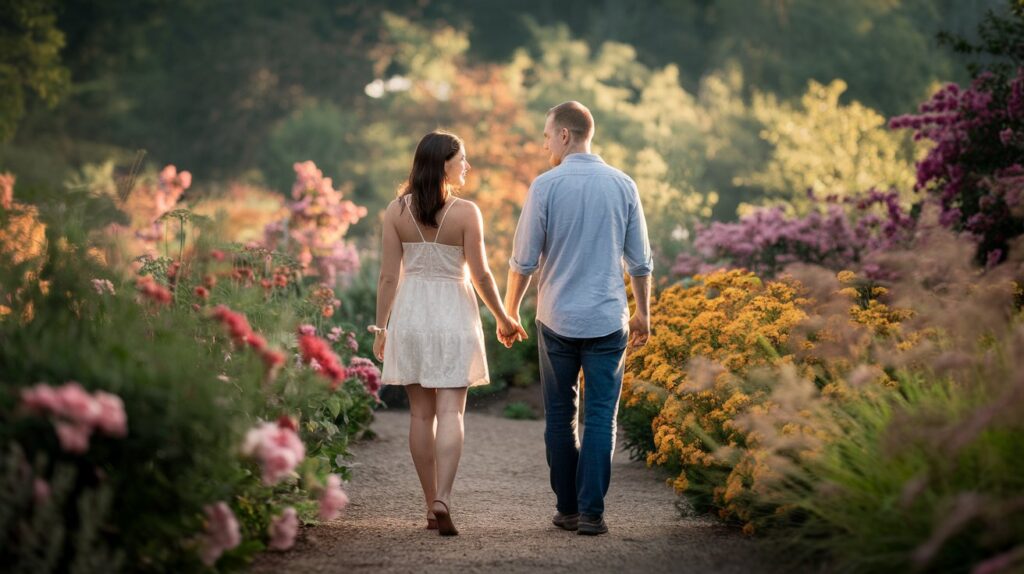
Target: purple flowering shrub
{"type": "Point", "coordinates": [839, 234]}
{"type": "Point", "coordinates": [974, 168]}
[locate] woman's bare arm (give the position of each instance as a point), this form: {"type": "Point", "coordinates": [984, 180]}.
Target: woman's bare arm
{"type": "Point", "coordinates": [390, 269]}
{"type": "Point", "coordinates": [483, 280]}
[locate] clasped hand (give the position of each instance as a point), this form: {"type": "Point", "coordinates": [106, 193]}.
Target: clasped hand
{"type": "Point", "coordinates": [510, 331]}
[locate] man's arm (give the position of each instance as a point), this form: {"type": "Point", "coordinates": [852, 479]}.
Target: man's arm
{"type": "Point", "coordinates": [527, 246]}
{"type": "Point", "coordinates": [640, 265]}
{"type": "Point", "coordinates": [515, 289]}
{"type": "Point", "coordinates": [640, 322]}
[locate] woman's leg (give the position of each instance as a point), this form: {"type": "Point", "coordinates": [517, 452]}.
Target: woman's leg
{"type": "Point", "coordinates": [421, 439]}
{"type": "Point", "coordinates": [451, 405]}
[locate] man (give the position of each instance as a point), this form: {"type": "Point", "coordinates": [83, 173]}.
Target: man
{"type": "Point", "coordinates": [580, 220]}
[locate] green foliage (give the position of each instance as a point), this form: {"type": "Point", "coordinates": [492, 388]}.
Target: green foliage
{"type": "Point", "coordinates": [189, 394]}
{"type": "Point", "coordinates": [892, 493]}
{"type": "Point", "coordinates": [519, 411]}
{"type": "Point", "coordinates": [829, 148]}
{"type": "Point", "coordinates": [30, 45]}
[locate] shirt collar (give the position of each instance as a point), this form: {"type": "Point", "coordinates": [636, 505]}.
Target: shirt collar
{"type": "Point", "coordinates": [583, 157]}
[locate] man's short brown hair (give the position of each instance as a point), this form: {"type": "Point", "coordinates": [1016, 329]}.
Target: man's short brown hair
{"type": "Point", "coordinates": [574, 117]}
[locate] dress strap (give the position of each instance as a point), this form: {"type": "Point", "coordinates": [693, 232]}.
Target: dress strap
{"type": "Point", "coordinates": [443, 215]}
{"type": "Point", "coordinates": [414, 222]}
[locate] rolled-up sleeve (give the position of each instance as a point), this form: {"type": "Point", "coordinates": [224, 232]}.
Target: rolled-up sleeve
{"type": "Point", "coordinates": [637, 248]}
{"type": "Point", "coordinates": [530, 234]}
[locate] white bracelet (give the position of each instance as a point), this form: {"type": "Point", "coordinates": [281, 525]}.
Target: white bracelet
{"type": "Point", "coordinates": [375, 329]}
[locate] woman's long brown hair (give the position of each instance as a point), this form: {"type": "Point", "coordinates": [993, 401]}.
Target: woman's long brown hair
{"type": "Point", "coordinates": [426, 183]}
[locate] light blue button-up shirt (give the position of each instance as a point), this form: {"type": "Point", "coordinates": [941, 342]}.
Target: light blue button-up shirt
{"type": "Point", "coordinates": [580, 221]}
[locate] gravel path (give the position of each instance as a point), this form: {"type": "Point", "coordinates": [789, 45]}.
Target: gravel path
{"type": "Point", "coordinates": [502, 505]}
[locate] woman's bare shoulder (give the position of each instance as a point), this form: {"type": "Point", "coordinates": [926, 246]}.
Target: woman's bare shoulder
{"type": "Point", "coordinates": [466, 208]}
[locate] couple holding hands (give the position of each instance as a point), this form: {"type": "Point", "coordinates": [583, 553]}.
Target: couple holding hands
{"type": "Point", "coordinates": [581, 223]}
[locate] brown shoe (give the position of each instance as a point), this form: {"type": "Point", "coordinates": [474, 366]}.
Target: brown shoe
{"type": "Point", "coordinates": [591, 525]}
{"type": "Point", "coordinates": [445, 526]}
{"type": "Point", "coordinates": [431, 524]}
{"type": "Point", "coordinates": [566, 521]}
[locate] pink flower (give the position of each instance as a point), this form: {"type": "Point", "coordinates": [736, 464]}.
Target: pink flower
{"type": "Point", "coordinates": [307, 330]}
{"type": "Point", "coordinates": [76, 413]}
{"type": "Point", "coordinates": [367, 372]}
{"type": "Point", "coordinates": [74, 438]}
{"type": "Point", "coordinates": [333, 499]}
{"type": "Point", "coordinates": [103, 286]}
{"type": "Point", "coordinates": [276, 447]}
{"type": "Point", "coordinates": [352, 343]}
{"type": "Point", "coordinates": [77, 405]}
{"type": "Point", "coordinates": [222, 532]}
{"type": "Point", "coordinates": [112, 419]}
{"type": "Point", "coordinates": [283, 530]}
{"type": "Point", "coordinates": [40, 491]}
{"type": "Point", "coordinates": [40, 399]}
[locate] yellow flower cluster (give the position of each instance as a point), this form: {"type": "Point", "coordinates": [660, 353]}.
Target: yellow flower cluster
{"type": "Point", "coordinates": [695, 374]}
{"type": "Point", "coordinates": [735, 320]}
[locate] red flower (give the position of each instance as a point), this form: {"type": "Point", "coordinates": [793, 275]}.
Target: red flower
{"type": "Point", "coordinates": [315, 348]}
{"type": "Point", "coordinates": [256, 341]}
{"type": "Point", "coordinates": [202, 292]}
{"type": "Point", "coordinates": [272, 358]}
{"type": "Point", "coordinates": [237, 324]}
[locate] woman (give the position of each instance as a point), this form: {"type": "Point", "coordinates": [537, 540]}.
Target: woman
{"type": "Point", "coordinates": [433, 343]}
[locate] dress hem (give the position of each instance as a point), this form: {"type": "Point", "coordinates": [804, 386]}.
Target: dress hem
{"type": "Point", "coordinates": [476, 383]}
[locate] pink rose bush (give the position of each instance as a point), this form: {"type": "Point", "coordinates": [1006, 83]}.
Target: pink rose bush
{"type": "Point", "coordinates": [222, 532]}
{"type": "Point", "coordinates": [333, 499]}
{"type": "Point", "coordinates": [283, 529]}
{"type": "Point", "coordinates": [76, 414]}
{"type": "Point", "coordinates": [276, 447]}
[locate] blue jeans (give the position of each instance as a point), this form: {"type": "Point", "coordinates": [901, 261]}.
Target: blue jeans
{"type": "Point", "coordinates": [580, 474]}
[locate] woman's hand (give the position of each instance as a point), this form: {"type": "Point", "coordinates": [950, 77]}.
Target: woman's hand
{"type": "Point", "coordinates": [510, 331]}
{"type": "Point", "coordinates": [378, 345]}
{"type": "Point", "coordinates": [379, 340]}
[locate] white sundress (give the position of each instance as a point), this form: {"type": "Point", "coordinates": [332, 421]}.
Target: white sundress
{"type": "Point", "coordinates": [435, 338]}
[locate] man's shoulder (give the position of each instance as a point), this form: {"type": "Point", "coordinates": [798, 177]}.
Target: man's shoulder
{"type": "Point", "coordinates": [589, 170]}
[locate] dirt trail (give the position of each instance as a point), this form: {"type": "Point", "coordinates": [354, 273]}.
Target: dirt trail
{"type": "Point", "coordinates": [502, 505]}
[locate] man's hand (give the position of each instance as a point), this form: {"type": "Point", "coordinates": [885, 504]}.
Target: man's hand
{"type": "Point", "coordinates": [639, 330]}
{"type": "Point", "coordinates": [510, 331]}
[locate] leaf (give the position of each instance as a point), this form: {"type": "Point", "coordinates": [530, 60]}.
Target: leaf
{"type": "Point", "coordinates": [334, 405]}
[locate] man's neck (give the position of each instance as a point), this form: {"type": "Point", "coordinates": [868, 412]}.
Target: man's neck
{"type": "Point", "coordinates": [577, 148]}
